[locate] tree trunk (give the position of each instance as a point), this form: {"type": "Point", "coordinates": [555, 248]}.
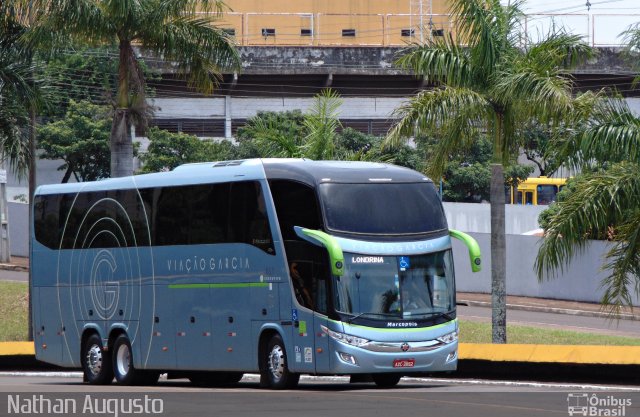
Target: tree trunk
{"type": "Point", "coordinates": [32, 191]}
{"type": "Point", "coordinates": [121, 145]}
{"type": "Point", "coordinates": [498, 257]}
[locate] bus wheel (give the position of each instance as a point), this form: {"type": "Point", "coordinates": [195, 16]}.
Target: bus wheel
{"type": "Point", "coordinates": [96, 363]}
{"type": "Point", "coordinates": [123, 368]}
{"type": "Point", "coordinates": [386, 380]}
{"type": "Point", "coordinates": [275, 372]}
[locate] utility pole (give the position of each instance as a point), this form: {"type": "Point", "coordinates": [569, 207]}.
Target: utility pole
{"type": "Point", "coordinates": [5, 256]}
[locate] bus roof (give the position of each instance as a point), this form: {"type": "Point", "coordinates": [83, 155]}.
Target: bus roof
{"type": "Point", "coordinates": [303, 170]}
{"type": "Point", "coordinates": [544, 180]}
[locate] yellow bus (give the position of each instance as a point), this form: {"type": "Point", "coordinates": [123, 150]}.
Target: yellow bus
{"type": "Point", "coordinates": [535, 191]}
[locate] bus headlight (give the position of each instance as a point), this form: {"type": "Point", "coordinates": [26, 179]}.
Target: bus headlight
{"type": "Point", "coordinates": [449, 337]}
{"type": "Point", "coordinates": [345, 338]}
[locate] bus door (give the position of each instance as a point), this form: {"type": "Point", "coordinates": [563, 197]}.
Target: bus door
{"type": "Point", "coordinates": [309, 276]}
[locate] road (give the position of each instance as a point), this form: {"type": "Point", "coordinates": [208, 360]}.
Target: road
{"type": "Point", "coordinates": [333, 397]}
{"type": "Point", "coordinates": [630, 328]}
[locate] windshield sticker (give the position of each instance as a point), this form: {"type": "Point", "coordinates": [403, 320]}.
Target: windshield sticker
{"type": "Point", "coordinates": [404, 263]}
{"type": "Point", "coordinates": [308, 355]}
{"type": "Point", "coordinates": [298, 354]}
{"type": "Point", "coordinates": [302, 328]}
{"type": "Point", "coordinates": [367, 259]}
{"type": "Point", "coordinates": [294, 314]}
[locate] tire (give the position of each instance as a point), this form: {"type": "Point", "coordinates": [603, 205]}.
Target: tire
{"type": "Point", "coordinates": [123, 369]}
{"type": "Point", "coordinates": [275, 372]}
{"type": "Point", "coordinates": [386, 380]}
{"type": "Point", "coordinates": [96, 363]}
{"type": "Point", "coordinates": [215, 379]}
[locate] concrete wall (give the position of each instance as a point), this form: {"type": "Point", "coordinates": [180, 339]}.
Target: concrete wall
{"type": "Point", "coordinates": [477, 217]}
{"type": "Point", "coordinates": [580, 281]}
{"type": "Point", "coordinates": [18, 229]}
{"type": "Point", "coordinates": [245, 107]}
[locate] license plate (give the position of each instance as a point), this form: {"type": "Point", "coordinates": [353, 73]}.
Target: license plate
{"type": "Point", "coordinates": [404, 363]}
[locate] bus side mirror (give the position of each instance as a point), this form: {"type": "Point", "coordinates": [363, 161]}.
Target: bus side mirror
{"type": "Point", "coordinates": [320, 238]}
{"type": "Point", "coordinates": [472, 245]}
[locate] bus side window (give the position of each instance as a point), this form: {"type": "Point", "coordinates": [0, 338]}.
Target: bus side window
{"type": "Point", "coordinates": [528, 198]}
{"type": "Point", "coordinates": [519, 198]}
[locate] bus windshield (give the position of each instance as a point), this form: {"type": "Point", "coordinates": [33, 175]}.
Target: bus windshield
{"type": "Point", "coordinates": [401, 287]}
{"type": "Point", "coordinates": [391, 209]}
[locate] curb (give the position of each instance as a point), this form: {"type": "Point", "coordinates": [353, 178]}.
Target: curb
{"type": "Point", "coordinates": [12, 267]}
{"type": "Point", "coordinates": [554, 310]}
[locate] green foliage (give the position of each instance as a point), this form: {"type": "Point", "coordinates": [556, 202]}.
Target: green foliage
{"type": "Point", "coordinates": [82, 75]}
{"type": "Point", "coordinates": [168, 150]}
{"type": "Point", "coordinates": [602, 202]}
{"type": "Point", "coordinates": [273, 134]}
{"type": "Point", "coordinates": [81, 139]}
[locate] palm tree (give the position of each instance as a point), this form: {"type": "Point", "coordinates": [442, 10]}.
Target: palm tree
{"type": "Point", "coordinates": [320, 123]}
{"type": "Point", "coordinates": [495, 84]}
{"type": "Point", "coordinates": [603, 202]}
{"type": "Point", "coordinates": [175, 30]}
{"type": "Point", "coordinates": [20, 91]}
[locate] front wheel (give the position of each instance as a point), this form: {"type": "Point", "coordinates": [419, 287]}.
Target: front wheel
{"type": "Point", "coordinates": [96, 363]}
{"type": "Point", "coordinates": [386, 380]}
{"type": "Point", "coordinates": [275, 371]}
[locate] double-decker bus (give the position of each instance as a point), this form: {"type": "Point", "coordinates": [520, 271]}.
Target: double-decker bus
{"type": "Point", "coordinates": [276, 266]}
{"type": "Point", "coordinates": [535, 191]}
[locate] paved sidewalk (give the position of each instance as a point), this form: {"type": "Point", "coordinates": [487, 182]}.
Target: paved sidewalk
{"type": "Point", "coordinates": [547, 306]}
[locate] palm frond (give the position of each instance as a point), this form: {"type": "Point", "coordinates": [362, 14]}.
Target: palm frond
{"type": "Point", "coordinates": [322, 124]}
{"type": "Point", "coordinates": [547, 95]}
{"type": "Point", "coordinates": [598, 200]}
{"type": "Point", "coordinates": [428, 110]}
{"type": "Point", "coordinates": [612, 134]}
{"type": "Point", "coordinates": [440, 61]}
{"type": "Point", "coordinates": [624, 264]}
{"type": "Point", "coordinates": [559, 49]}
{"type": "Point", "coordinates": [199, 49]}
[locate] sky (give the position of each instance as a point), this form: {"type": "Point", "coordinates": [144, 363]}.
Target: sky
{"type": "Point", "coordinates": [600, 24]}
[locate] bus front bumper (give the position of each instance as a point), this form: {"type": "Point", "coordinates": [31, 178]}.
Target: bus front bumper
{"type": "Point", "coordinates": [347, 359]}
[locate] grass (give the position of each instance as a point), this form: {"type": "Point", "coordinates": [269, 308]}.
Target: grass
{"type": "Point", "coordinates": [14, 307]}
{"type": "Point", "coordinates": [478, 332]}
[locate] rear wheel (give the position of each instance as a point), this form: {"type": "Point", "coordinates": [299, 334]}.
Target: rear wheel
{"type": "Point", "coordinates": [123, 368]}
{"type": "Point", "coordinates": [96, 363]}
{"type": "Point", "coordinates": [275, 371]}
{"type": "Point", "coordinates": [386, 380]}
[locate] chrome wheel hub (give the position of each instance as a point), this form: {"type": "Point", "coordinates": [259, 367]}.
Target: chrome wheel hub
{"type": "Point", "coordinates": [276, 362]}
{"type": "Point", "coordinates": [94, 359]}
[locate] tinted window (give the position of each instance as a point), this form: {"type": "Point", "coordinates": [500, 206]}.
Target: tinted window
{"type": "Point", "coordinates": [296, 205]}
{"type": "Point", "coordinates": [390, 209]}
{"type": "Point", "coordinates": [186, 215]}
{"type": "Point", "coordinates": [546, 194]}
{"type": "Point", "coordinates": [115, 218]}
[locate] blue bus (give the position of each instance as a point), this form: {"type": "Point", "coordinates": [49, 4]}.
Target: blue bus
{"type": "Point", "coordinates": [279, 267]}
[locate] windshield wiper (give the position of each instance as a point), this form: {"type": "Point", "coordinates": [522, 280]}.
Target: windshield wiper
{"type": "Point", "coordinates": [351, 319]}
{"type": "Point", "coordinates": [443, 315]}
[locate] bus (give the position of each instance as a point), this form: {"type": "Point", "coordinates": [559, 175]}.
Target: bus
{"type": "Point", "coordinates": [279, 267]}
{"type": "Point", "coordinates": [535, 191]}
